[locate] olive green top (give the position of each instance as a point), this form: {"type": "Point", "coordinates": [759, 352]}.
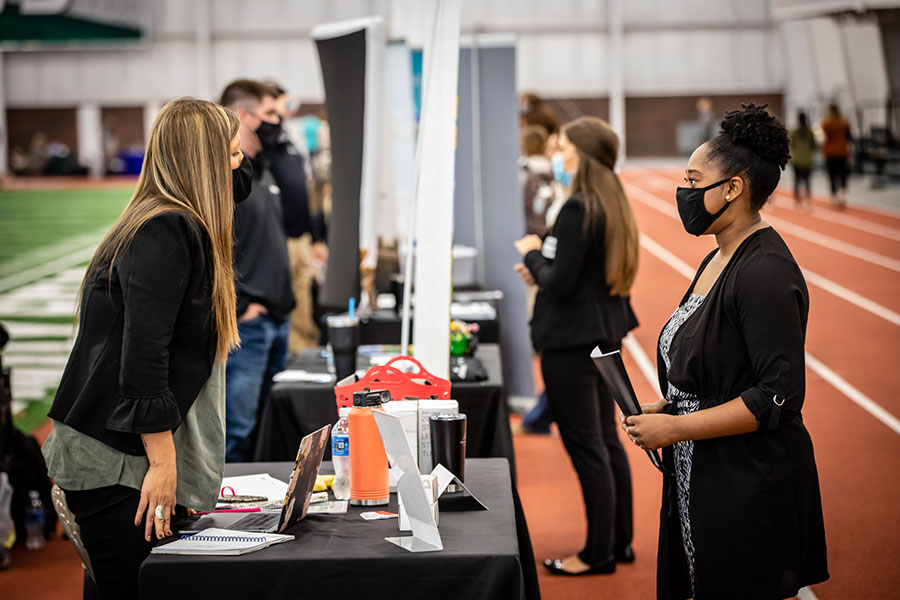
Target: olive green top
{"type": "Point", "coordinates": [803, 148]}
{"type": "Point", "coordinates": [76, 461]}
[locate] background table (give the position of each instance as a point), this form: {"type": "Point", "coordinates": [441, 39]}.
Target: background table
{"type": "Point", "coordinates": [344, 556]}
{"type": "Point", "coordinates": [383, 327]}
{"type": "Point", "coordinates": [295, 409]}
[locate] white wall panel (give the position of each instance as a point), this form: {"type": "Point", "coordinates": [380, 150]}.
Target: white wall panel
{"type": "Point", "coordinates": [22, 85]}
{"type": "Point", "coordinates": [865, 57]}
{"type": "Point", "coordinates": [671, 47]}
{"type": "Point", "coordinates": [173, 17]}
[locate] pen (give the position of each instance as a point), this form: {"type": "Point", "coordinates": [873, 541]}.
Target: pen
{"type": "Point", "coordinates": [233, 510]}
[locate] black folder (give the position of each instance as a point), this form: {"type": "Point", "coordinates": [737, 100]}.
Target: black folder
{"type": "Point", "coordinates": [612, 369]}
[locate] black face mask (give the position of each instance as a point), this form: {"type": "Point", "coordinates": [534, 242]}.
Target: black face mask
{"type": "Point", "coordinates": [268, 133]}
{"type": "Point", "coordinates": [242, 180]}
{"type": "Point", "coordinates": [694, 216]}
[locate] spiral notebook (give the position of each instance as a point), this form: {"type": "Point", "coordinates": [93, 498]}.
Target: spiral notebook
{"type": "Point", "coordinates": [221, 542]}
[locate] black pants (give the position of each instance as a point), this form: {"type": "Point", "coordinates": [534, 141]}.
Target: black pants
{"type": "Point", "coordinates": [801, 179]}
{"type": "Point", "coordinates": [116, 547]}
{"type": "Point", "coordinates": [837, 173]}
{"type": "Point", "coordinates": [586, 415]}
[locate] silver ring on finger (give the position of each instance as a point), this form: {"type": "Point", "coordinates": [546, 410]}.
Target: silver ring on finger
{"type": "Point", "coordinates": [160, 512]}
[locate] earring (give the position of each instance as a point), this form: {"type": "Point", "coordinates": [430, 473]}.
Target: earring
{"type": "Point", "coordinates": [728, 197]}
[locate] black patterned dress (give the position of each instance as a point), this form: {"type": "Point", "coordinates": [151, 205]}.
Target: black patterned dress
{"type": "Point", "coordinates": [683, 403]}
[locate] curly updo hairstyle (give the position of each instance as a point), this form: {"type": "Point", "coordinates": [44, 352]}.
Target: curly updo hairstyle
{"type": "Point", "coordinates": [755, 144]}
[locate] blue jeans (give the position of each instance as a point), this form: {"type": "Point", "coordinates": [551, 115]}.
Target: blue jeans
{"type": "Point", "coordinates": [248, 378]}
{"type": "Point", "coordinates": [540, 417]}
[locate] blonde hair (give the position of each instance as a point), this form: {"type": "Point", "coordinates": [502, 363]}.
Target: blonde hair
{"type": "Point", "coordinates": [187, 169]}
{"type": "Point", "coordinates": [604, 199]}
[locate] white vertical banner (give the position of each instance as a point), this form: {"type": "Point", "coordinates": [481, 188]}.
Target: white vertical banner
{"type": "Point", "coordinates": [435, 155]}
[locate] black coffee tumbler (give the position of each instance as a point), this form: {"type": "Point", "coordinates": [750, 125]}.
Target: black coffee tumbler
{"type": "Point", "coordinates": [448, 445]}
{"type": "Point", "coordinates": [343, 337]}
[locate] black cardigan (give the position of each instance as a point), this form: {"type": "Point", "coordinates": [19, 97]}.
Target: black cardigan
{"type": "Point", "coordinates": [755, 507]}
{"type": "Point", "coordinates": [146, 343]}
{"type": "Point", "coordinates": [573, 308]}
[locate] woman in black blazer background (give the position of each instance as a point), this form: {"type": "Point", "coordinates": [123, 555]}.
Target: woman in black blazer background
{"type": "Point", "coordinates": [584, 269]}
{"type": "Point", "coordinates": [742, 514]}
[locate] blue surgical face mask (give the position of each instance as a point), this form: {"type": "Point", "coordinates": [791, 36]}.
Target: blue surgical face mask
{"type": "Point", "coordinates": [559, 170]}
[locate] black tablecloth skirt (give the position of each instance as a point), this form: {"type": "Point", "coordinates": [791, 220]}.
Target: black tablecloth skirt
{"type": "Point", "coordinates": [345, 556]}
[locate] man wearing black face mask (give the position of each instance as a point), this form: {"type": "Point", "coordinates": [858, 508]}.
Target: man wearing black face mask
{"type": "Point", "coordinates": [262, 272]}
{"type": "Point", "coordinates": [306, 242]}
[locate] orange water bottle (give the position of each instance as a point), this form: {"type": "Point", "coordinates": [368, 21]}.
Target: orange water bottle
{"type": "Point", "coordinates": [368, 460]}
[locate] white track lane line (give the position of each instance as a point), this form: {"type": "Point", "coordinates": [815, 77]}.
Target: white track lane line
{"type": "Point", "coordinates": [643, 362]}
{"type": "Point", "coordinates": [824, 283]}
{"type": "Point", "coordinates": [817, 366]}
{"type": "Point", "coordinates": [785, 202]}
{"type": "Point", "coordinates": [809, 235]}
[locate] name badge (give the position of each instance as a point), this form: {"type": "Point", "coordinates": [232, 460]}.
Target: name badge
{"type": "Point", "coordinates": [548, 250]}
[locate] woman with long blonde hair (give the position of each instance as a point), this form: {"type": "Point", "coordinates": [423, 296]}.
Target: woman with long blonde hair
{"type": "Point", "coordinates": [138, 416]}
{"type": "Point", "coordinates": [585, 268]}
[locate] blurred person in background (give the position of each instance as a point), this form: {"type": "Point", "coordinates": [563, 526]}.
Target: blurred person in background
{"type": "Point", "coordinates": [292, 174]}
{"type": "Point", "coordinates": [536, 179]}
{"type": "Point", "coordinates": [585, 268]}
{"type": "Point", "coordinates": [837, 152]}
{"type": "Point", "coordinates": [137, 417]}
{"type": "Point", "coordinates": [803, 152]}
{"type": "Point", "coordinates": [38, 154]}
{"type": "Point", "coordinates": [706, 120]}
{"type": "Point", "coordinates": [534, 111]}
{"type": "Point", "coordinates": [265, 296]}
{"type": "Point", "coordinates": [741, 513]}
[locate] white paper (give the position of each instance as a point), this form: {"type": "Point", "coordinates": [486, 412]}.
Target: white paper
{"type": "Point", "coordinates": [299, 375]}
{"type": "Point", "coordinates": [472, 311]}
{"type": "Point", "coordinates": [409, 486]}
{"type": "Point", "coordinates": [332, 507]}
{"type": "Point", "coordinates": [259, 484]}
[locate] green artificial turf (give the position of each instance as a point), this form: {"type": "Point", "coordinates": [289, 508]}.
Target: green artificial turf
{"type": "Point", "coordinates": [35, 413]}
{"type": "Point", "coordinates": [32, 219]}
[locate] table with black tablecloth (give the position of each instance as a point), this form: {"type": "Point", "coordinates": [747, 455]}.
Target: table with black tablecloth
{"type": "Point", "coordinates": [295, 409]}
{"type": "Point", "coordinates": [383, 327]}
{"type": "Point", "coordinates": [344, 556]}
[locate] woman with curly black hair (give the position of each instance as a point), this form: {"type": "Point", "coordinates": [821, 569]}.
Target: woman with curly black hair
{"type": "Point", "coordinates": [742, 512]}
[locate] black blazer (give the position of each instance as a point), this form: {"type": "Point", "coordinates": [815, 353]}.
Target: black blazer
{"type": "Point", "coordinates": [755, 507]}
{"type": "Point", "coordinates": [573, 308]}
{"type": "Point", "coordinates": [147, 342]}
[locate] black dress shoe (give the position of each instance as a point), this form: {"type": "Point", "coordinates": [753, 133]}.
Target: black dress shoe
{"type": "Point", "coordinates": [626, 555]}
{"type": "Point", "coordinates": [555, 567]}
